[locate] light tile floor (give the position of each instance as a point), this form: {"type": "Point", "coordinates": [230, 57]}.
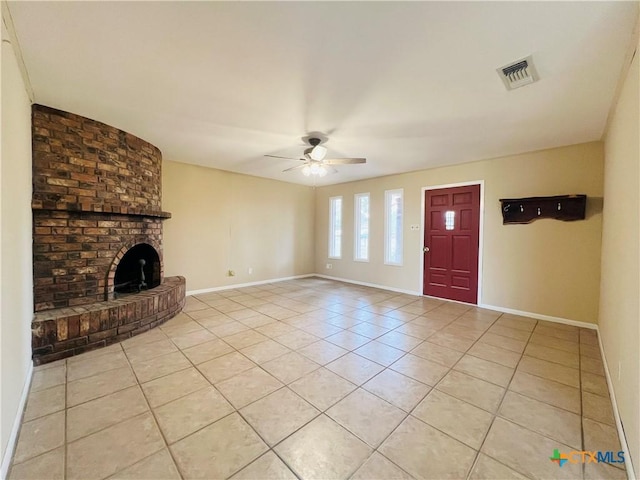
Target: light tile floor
{"type": "Point", "coordinates": [318, 379]}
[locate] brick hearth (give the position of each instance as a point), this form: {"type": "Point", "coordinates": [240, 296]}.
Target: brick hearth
{"type": "Point", "coordinates": [97, 193]}
{"type": "Point", "coordinates": [64, 332]}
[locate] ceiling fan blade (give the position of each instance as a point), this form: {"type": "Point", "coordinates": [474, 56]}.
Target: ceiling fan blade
{"type": "Point", "coordinates": [293, 168]}
{"type": "Point", "coordinates": [344, 161]}
{"type": "Point", "coordinates": [286, 158]}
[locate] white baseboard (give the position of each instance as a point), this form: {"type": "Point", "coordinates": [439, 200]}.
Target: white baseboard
{"type": "Point", "coordinates": [540, 316]}
{"type": "Point", "coordinates": [366, 284]}
{"type": "Point", "coordinates": [8, 454]}
{"type": "Point", "coordinates": [17, 421]}
{"type": "Point", "coordinates": [522, 313]}
{"type": "Point", "coordinates": [249, 284]}
{"type": "Point", "coordinates": [623, 439]}
{"type": "Point", "coordinates": [549, 318]}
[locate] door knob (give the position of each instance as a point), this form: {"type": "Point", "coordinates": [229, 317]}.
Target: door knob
{"type": "Point", "coordinates": [425, 249]}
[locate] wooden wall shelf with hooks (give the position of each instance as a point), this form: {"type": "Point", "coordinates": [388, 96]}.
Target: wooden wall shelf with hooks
{"type": "Point", "coordinates": [560, 207]}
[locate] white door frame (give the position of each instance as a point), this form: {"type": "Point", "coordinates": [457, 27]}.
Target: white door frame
{"type": "Point", "coordinates": [480, 233]}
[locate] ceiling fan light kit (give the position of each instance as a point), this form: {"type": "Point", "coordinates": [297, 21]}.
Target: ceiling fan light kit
{"type": "Point", "coordinates": [318, 153]}
{"type": "Point", "coordinates": [314, 169]}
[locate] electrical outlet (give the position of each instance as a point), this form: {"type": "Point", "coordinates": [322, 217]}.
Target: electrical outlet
{"type": "Point", "coordinates": [329, 266]}
{"type": "Point", "coordinates": [415, 228]}
{"type": "Point", "coordinates": [250, 270]}
{"type": "Point", "coordinates": [231, 273]}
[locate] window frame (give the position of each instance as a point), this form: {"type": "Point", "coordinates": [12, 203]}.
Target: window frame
{"type": "Point", "coordinates": [333, 241]}
{"type": "Point", "coordinates": [357, 227]}
{"type": "Point", "coordinates": [388, 195]}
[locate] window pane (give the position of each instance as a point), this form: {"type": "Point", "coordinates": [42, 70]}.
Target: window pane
{"type": "Point", "coordinates": [335, 227]}
{"type": "Point", "coordinates": [393, 227]}
{"type": "Point", "coordinates": [361, 250]}
{"type": "Point", "coordinates": [449, 220]}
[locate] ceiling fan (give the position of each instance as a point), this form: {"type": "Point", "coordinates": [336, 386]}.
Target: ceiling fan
{"type": "Point", "coordinates": [315, 162]}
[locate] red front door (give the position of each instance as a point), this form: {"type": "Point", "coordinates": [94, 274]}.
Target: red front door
{"type": "Point", "coordinates": [451, 238]}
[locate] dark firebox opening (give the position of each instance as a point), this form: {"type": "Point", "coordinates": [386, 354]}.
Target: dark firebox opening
{"type": "Point", "coordinates": [138, 270]}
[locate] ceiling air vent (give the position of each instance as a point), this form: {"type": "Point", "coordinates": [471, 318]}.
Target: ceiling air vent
{"type": "Point", "coordinates": [518, 74]}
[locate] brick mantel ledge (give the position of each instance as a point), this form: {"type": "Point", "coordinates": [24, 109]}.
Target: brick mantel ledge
{"type": "Point", "coordinates": [97, 208]}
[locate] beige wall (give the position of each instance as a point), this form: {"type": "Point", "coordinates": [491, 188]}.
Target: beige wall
{"type": "Point", "coordinates": [620, 286]}
{"type": "Point", "coordinates": [226, 221]}
{"type": "Point", "coordinates": [547, 267]}
{"type": "Point", "coordinates": [16, 310]}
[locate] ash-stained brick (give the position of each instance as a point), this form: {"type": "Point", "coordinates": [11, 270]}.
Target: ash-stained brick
{"type": "Point", "coordinates": [83, 223]}
{"type": "Point", "coordinates": [61, 329]}
{"type": "Point", "coordinates": [50, 222]}
{"type": "Point", "coordinates": [63, 182]}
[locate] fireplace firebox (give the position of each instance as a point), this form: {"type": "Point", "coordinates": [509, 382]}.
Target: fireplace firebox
{"type": "Point", "coordinates": [139, 269]}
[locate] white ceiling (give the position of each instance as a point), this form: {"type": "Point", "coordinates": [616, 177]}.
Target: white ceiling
{"type": "Point", "coordinates": [409, 85]}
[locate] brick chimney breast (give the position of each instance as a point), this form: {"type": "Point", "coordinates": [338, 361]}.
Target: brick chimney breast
{"type": "Point", "coordinates": [97, 193]}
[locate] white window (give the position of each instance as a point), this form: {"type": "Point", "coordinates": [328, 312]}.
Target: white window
{"type": "Point", "coordinates": [361, 235]}
{"type": "Point", "coordinates": [393, 227]}
{"type": "Point", "coordinates": [449, 220]}
{"type": "Point", "coordinates": [335, 227]}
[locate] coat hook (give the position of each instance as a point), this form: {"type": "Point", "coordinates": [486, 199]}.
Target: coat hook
{"type": "Point", "coordinates": [521, 208]}
{"type": "Point", "coordinates": [559, 206]}
{"type": "Point", "coordinates": [538, 210]}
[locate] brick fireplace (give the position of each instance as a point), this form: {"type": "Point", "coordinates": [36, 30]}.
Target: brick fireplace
{"type": "Point", "coordinates": [97, 236]}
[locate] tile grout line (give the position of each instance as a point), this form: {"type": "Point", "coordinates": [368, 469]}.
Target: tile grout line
{"type": "Point", "coordinates": [477, 452]}
{"type": "Point", "coordinates": [22, 423]}
{"type": "Point", "coordinates": [271, 448]}
{"type": "Point", "coordinates": [235, 410]}
{"type": "Point", "coordinates": [149, 410]}
{"type": "Point", "coordinates": [422, 340]}
{"type": "Point", "coordinates": [321, 412]}
{"type": "Point", "coordinates": [157, 425]}
{"type": "Point", "coordinates": [139, 384]}
{"type": "Point", "coordinates": [367, 308]}
{"type": "Point", "coordinates": [431, 389]}
{"type": "Point", "coordinates": [496, 414]}
{"type": "Point", "coordinates": [581, 414]}
{"type": "Point", "coordinates": [451, 368]}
